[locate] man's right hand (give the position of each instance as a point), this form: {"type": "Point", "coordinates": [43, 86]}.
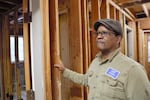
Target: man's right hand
{"type": "Point", "coordinates": [60, 66]}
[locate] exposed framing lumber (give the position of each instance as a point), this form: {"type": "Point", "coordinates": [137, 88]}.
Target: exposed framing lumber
{"type": "Point", "coordinates": [142, 19]}
{"type": "Point", "coordinates": [112, 12]}
{"type": "Point", "coordinates": [129, 12]}
{"type": "Point", "coordinates": [95, 9]}
{"type": "Point", "coordinates": [54, 49]}
{"type": "Point", "coordinates": [26, 48]}
{"type": "Point", "coordinates": [46, 49]}
{"type": "Point", "coordinates": [145, 10]}
{"type": "Point", "coordinates": [75, 46]}
{"type": "Point", "coordinates": [105, 9]}
{"type": "Point", "coordinates": [1, 62]}
{"type": "Point", "coordinates": [117, 7]}
{"type": "Point", "coordinates": [6, 57]}
{"type": "Point", "coordinates": [85, 35]}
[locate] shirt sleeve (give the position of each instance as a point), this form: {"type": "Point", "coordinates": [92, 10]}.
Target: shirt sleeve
{"type": "Point", "coordinates": [76, 77]}
{"type": "Point", "coordinates": [138, 85]}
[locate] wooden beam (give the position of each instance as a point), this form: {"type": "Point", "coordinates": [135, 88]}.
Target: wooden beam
{"type": "Point", "coordinates": [95, 10]}
{"type": "Point", "coordinates": [129, 12]}
{"type": "Point", "coordinates": [75, 44]}
{"type": "Point", "coordinates": [112, 12]}
{"type": "Point", "coordinates": [95, 15]}
{"type": "Point", "coordinates": [5, 41]}
{"type": "Point", "coordinates": [145, 10]}
{"type": "Point", "coordinates": [85, 35]}
{"type": "Point", "coordinates": [117, 7]}
{"type": "Point", "coordinates": [54, 49]}
{"type": "Point", "coordinates": [105, 9]}
{"type": "Point", "coordinates": [26, 48]}
{"type": "Point", "coordinates": [142, 19]}
{"type": "Point", "coordinates": [134, 3]}
{"type": "Point", "coordinates": [46, 48]}
{"type": "Point", "coordinates": [1, 62]}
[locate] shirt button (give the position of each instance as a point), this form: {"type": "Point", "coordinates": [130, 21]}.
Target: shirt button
{"type": "Point", "coordinates": [94, 87]}
{"type": "Point", "coordinates": [96, 76]}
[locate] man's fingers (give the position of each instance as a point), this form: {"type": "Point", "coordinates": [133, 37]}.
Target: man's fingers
{"type": "Point", "coordinates": [57, 65]}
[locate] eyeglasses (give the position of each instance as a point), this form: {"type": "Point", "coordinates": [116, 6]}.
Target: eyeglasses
{"type": "Point", "coordinates": [103, 33]}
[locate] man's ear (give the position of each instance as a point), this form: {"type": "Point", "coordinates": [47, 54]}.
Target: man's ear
{"type": "Point", "coordinates": [119, 38]}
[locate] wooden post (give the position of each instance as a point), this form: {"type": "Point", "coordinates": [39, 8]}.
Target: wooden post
{"type": "Point", "coordinates": [118, 13]}
{"type": "Point", "coordinates": [85, 33]}
{"type": "Point", "coordinates": [95, 6]}
{"type": "Point", "coordinates": [26, 48]}
{"type": "Point", "coordinates": [76, 53]}
{"type": "Point", "coordinates": [46, 48]}
{"type": "Point", "coordinates": [6, 59]}
{"type": "Point", "coordinates": [1, 63]}
{"type": "Point", "coordinates": [105, 9]}
{"type": "Point", "coordinates": [55, 49]}
{"type": "Point", "coordinates": [112, 12]}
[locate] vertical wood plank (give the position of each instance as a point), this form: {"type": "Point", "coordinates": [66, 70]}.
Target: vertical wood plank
{"type": "Point", "coordinates": [5, 41]}
{"type": "Point", "coordinates": [76, 53]}
{"type": "Point", "coordinates": [85, 33]}
{"type": "Point", "coordinates": [46, 49]}
{"type": "Point", "coordinates": [132, 24]}
{"type": "Point", "coordinates": [112, 12]}
{"type": "Point", "coordinates": [26, 48]}
{"type": "Point", "coordinates": [55, 49]}
{"type": "Point", "coordinates": [95, 7]}
{"type": "Point", "coordinates": [105, 9]}
{"type": "Point", "coordinates": [118, 15]}
{"type": "Point", "coordinates": [122, 21]}
{"type": "Point", "coordinates": [1, 60]}
{"type": "Point", "coordinates": [140, 44]}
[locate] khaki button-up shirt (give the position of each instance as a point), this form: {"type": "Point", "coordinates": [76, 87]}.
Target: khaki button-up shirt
{"type": "Point", "coordinates": [116, 78]}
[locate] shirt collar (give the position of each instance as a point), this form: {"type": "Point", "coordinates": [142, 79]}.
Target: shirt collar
{"type": "Point", "coordinates": [110, 58]}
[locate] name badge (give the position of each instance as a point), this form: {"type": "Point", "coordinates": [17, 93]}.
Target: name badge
{"type": "Point", "coordinates": [113, 73]}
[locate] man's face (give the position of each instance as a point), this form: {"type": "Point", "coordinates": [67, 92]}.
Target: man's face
{"type": "Point", "coordinates": [106, 40]}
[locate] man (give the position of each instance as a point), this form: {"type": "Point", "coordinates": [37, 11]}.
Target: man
{"type": "Point", "coordinates": [111, 75]}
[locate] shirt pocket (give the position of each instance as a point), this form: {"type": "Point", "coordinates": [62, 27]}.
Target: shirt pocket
{"type": "Point", "coordinates": [113, 89]}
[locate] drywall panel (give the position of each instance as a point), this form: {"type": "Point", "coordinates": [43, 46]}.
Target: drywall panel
{"type": "Point", "coordinates": [36, 51]}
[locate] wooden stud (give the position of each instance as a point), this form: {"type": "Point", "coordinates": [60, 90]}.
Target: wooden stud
{"type": "Point", "coordinates": [132, 24]}
{"type": "Point", "coordinates": [26, 48]}
{"type": "Point", "coordinates": [105, 9]}
{"type": "Point", "coordinates": [121, 10]}
{"type": "Point", "coordinates": [1, 62]}
{"type": "Point", "coordinates": [118, 15]}
{"type": "Point", "coordinates": [112, 12]}
{"type": "Point", "coordinates": [54, 48]}
{"type": "Point", "coordinates": [46, 49]}
{"type": "Point", "coordinates": [95, 10]}
{"type": "Point", "coordinates": [6, 58]}
{"type": "Point", "coordinates": [1, 71]}
{"type": "Point", "coordinates": [85, 33]}
{"type": "Point", "coordinates": [95, 7]}
{"type": "Point", "coordinates": [75, 45]}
